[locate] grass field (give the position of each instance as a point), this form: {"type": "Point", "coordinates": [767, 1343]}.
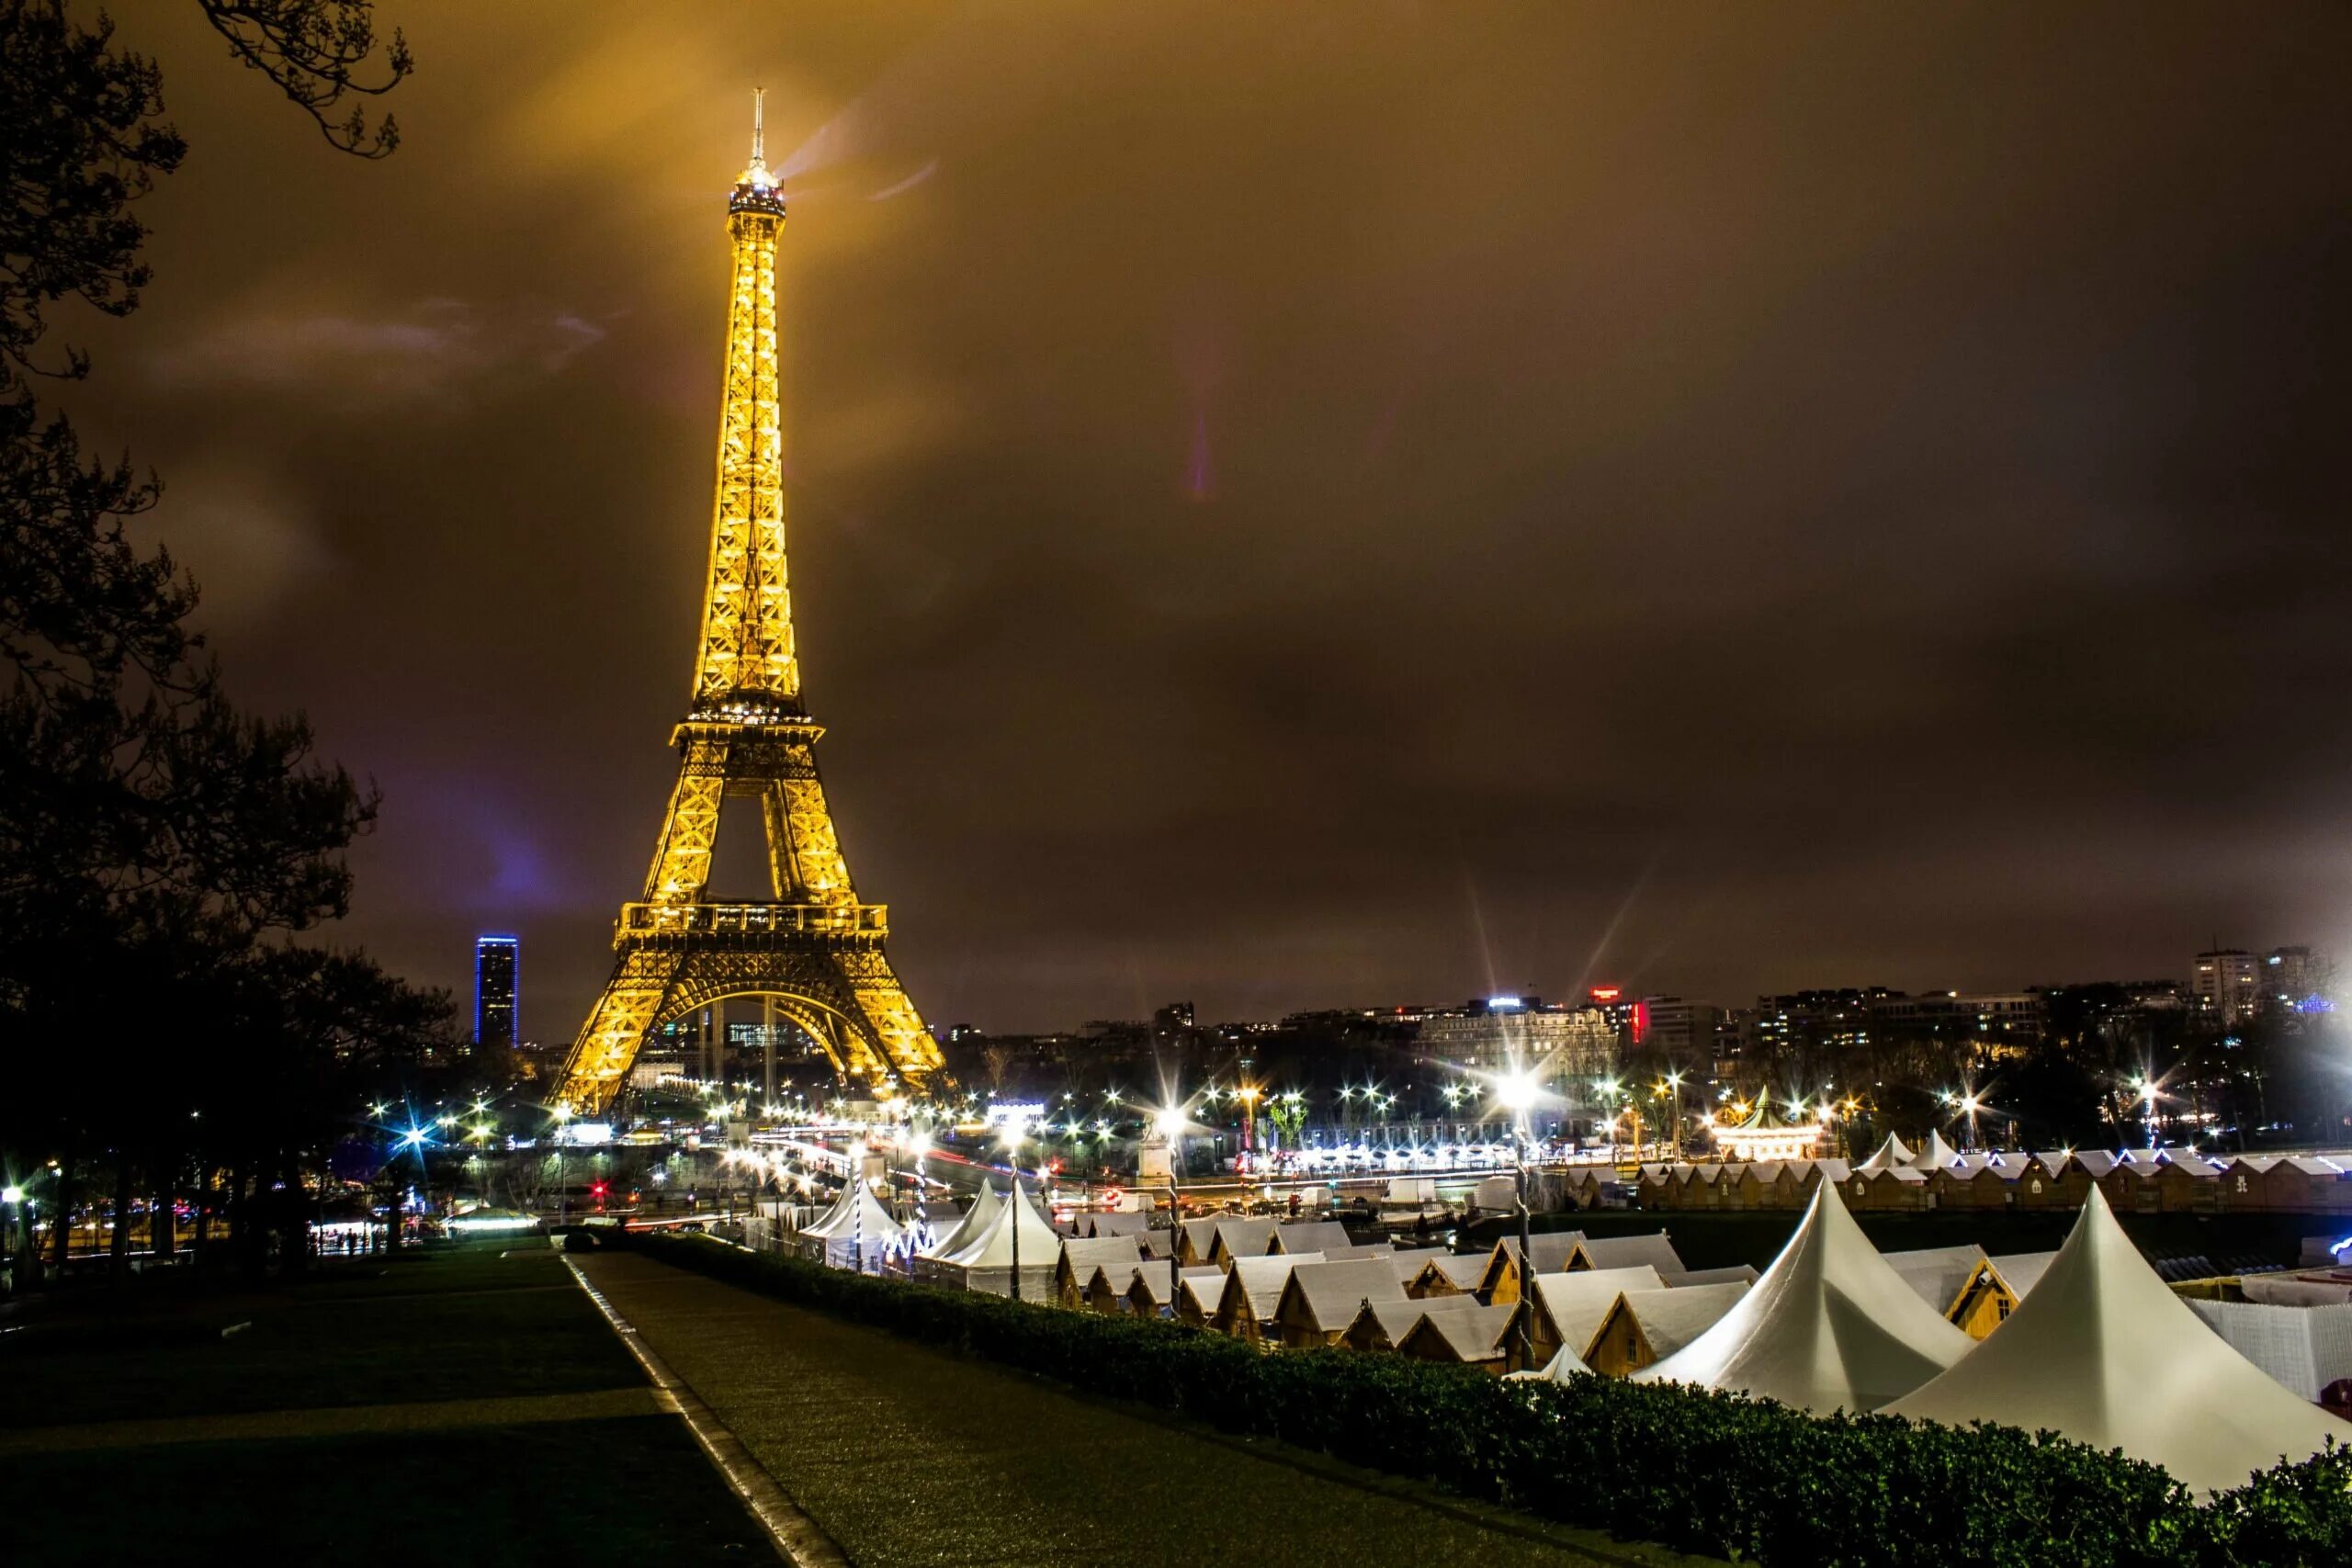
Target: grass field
{"type": "Point", "coordinates": [476, 1322]}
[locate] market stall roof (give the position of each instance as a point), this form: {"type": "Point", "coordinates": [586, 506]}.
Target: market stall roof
{"type": "Point", "coordinates": [1550, 1249]}
{"type": "Point", "coordinates": [1331, 1293]}
{"type": "Point", "coordinates": [1469, 1333]}
{"type": "Point", "coordinates": [1671, 1318]}
{"type": "Point", "coordinates": [1259, 1281]}
{"type": "Point", "coordinates": [1393, 1320]}
{"type": "Point", "coordinates": [1626, 1252]}
{"type": "Point", "coordinates": [1577, 1303]}
{"type": "Point", "coordinates": [1829, 1327]}
{"type": "Point", "coordinates": [2103, 1352]}
{"type": "Point", "coordinates": [2021, 1271]}
{"type": "Point", "coordinates": [1311, 1235]}
{"type": "Point", "coordinates": [1936, 1273]}
{"type": "Point", "coordinates": [1240, 1236]}
{"type": "Point", "coordinates": [1734, 1274]}
{"type": "Point", "coordinates": [1462, 1271]}
{"type": "Point", "coordinates": [1081, 1254]}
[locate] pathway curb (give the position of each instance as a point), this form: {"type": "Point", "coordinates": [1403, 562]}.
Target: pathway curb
{"type": "Point", "coordinates": [797, 1539]}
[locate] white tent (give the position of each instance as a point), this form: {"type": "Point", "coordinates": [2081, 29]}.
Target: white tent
{"type": "Point", "coordinates": [1559, 1368]}
{"type": "Point", "coordinates": [855, 1233]}
{"type": "Point", "coordinates": [975, 1219]}
{"type": "Point", "coordinates": [2303, 1348]}
{"type": "Point", "coordinates": [1892, 1152]}
{"type": "Point", "coordinates": [1935, 1153]}
{"type": "Point", "coordinates": [985, 1263]}
{"type": "Point", "coordinates": [1829, 1325]}
{"type": "Point", "coordinates": [2103, 1352]}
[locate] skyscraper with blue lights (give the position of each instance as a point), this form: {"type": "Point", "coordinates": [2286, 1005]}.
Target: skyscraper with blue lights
{"type": "Point", "coordinates": [498, 989]}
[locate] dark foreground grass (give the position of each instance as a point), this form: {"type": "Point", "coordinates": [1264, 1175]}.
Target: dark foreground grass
{"type": "Point", "coordinates": [467, 1324]}
{"type": "Point", "coordinates": [635, 1490]}
{"type": "Point", "coordinates": [479, 1321]}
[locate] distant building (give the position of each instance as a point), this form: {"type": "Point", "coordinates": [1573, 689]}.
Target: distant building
{"type": "Point", "coordinates": [498, 984]}
{"type": "Point", "coordinates": [1494, 1034]}
{"type": "Point", "coordinates": [1815, 1020]}
{"type": "Point", "coordinates": [2004, 1017]}
{"type": "Point", "coordinates": [2297, 979]}
{"type": "Point", "coordinates": [1676, 1028]}
{"type": "Point", "coordinates": [1617, 1007]}
{"type": "Point", "coordinates": [2227, 984]}
{"type": "Point", "coordinates": [653, 1069]}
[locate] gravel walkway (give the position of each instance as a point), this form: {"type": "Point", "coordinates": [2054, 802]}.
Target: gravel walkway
{"type": "Point", "coordinates": [909, 1456]}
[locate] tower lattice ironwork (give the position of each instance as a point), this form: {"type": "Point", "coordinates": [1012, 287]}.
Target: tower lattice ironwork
{"type": "Point", "coordinates": [817, 950]}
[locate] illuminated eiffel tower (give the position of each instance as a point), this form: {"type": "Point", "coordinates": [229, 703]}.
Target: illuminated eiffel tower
{"type": "Point", "coordinates": [816, 953]}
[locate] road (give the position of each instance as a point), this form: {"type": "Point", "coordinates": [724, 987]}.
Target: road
{"type": "Point", "coordinates": [905, 1455]}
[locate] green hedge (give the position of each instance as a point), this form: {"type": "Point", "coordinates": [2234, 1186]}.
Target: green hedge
{"type": "Point", "coordinates": [1699, 1472]}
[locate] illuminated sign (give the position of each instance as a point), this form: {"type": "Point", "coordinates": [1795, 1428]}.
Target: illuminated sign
{"type": "Point", "coordinates": [1503, 1004]}
{"type": "Point", "coordinates": [1606, 993]}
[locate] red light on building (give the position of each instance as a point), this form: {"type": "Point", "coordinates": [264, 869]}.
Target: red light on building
{"type": "Point", "coordinates": [1606, 993]}
{"type": "Point", "coordinates": [1641, 1020]}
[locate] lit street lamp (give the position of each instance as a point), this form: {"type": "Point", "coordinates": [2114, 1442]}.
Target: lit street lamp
{"type": "Point", "coordinates": [1168, 1122]}
{"type": "Point", "coordinates": [1011, 1140]}
{"type": "Point", "coordinates": [1674, 1086]}
{"type": "Point", "coordinates": [1516, 1092]}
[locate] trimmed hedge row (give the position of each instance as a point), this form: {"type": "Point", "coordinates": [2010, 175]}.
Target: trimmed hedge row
{"type": "Point", "coordinates": [1699, 1472]}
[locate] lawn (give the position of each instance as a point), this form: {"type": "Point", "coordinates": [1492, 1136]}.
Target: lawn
{"type": "Point", "coordinates": [472, 1322]}
{"type": "Point", "coordinates": [629, 1490]}
{"type": "Point", "coordinates": [478, 1321]}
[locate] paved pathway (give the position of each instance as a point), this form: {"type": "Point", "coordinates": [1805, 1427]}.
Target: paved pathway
{"type": "Point", "coordinates": [909, 1456]}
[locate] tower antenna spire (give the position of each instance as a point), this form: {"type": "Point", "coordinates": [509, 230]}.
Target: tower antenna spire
{"type": "Point", "coordinates": [759, 117]}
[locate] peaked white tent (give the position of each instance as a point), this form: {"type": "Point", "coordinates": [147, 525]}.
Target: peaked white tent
{"type": "Point", "coordinates": [1935, 1153]}
{"type": "Point", "coordinates": [975, 1219]}
{"type": "Point", "coordinates": [1892, 1152]}
{"type": "Point", "coordinates": [985, 1263]}
{"type": "Point", "coordinates": [2103, 1352]}
{"type": "Point", "coordinates": [1559, 1368]}
{"type": "Point", "coordinates": [1829, 1327]}
{"type": "Point", "coordinates": [855, 1233]}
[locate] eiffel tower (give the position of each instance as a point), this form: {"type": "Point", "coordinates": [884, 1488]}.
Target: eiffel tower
{"type": "Point", "coordinates": [816, 953]}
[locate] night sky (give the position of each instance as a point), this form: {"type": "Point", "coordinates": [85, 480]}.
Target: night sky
{"type": "Point", "coordinates": [1309, 505]}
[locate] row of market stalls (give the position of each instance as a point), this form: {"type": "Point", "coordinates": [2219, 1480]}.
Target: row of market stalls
{"type": "Point", "coordinates": [1936, 1176]}
{"type": "Point", "coordinates": [2087, 1340]}
{"type": "Point", "coordinates": [2098, 1348]}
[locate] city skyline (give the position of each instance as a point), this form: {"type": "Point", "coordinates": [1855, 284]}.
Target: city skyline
{"type": "Point", "coordinates": [1461, 538]}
